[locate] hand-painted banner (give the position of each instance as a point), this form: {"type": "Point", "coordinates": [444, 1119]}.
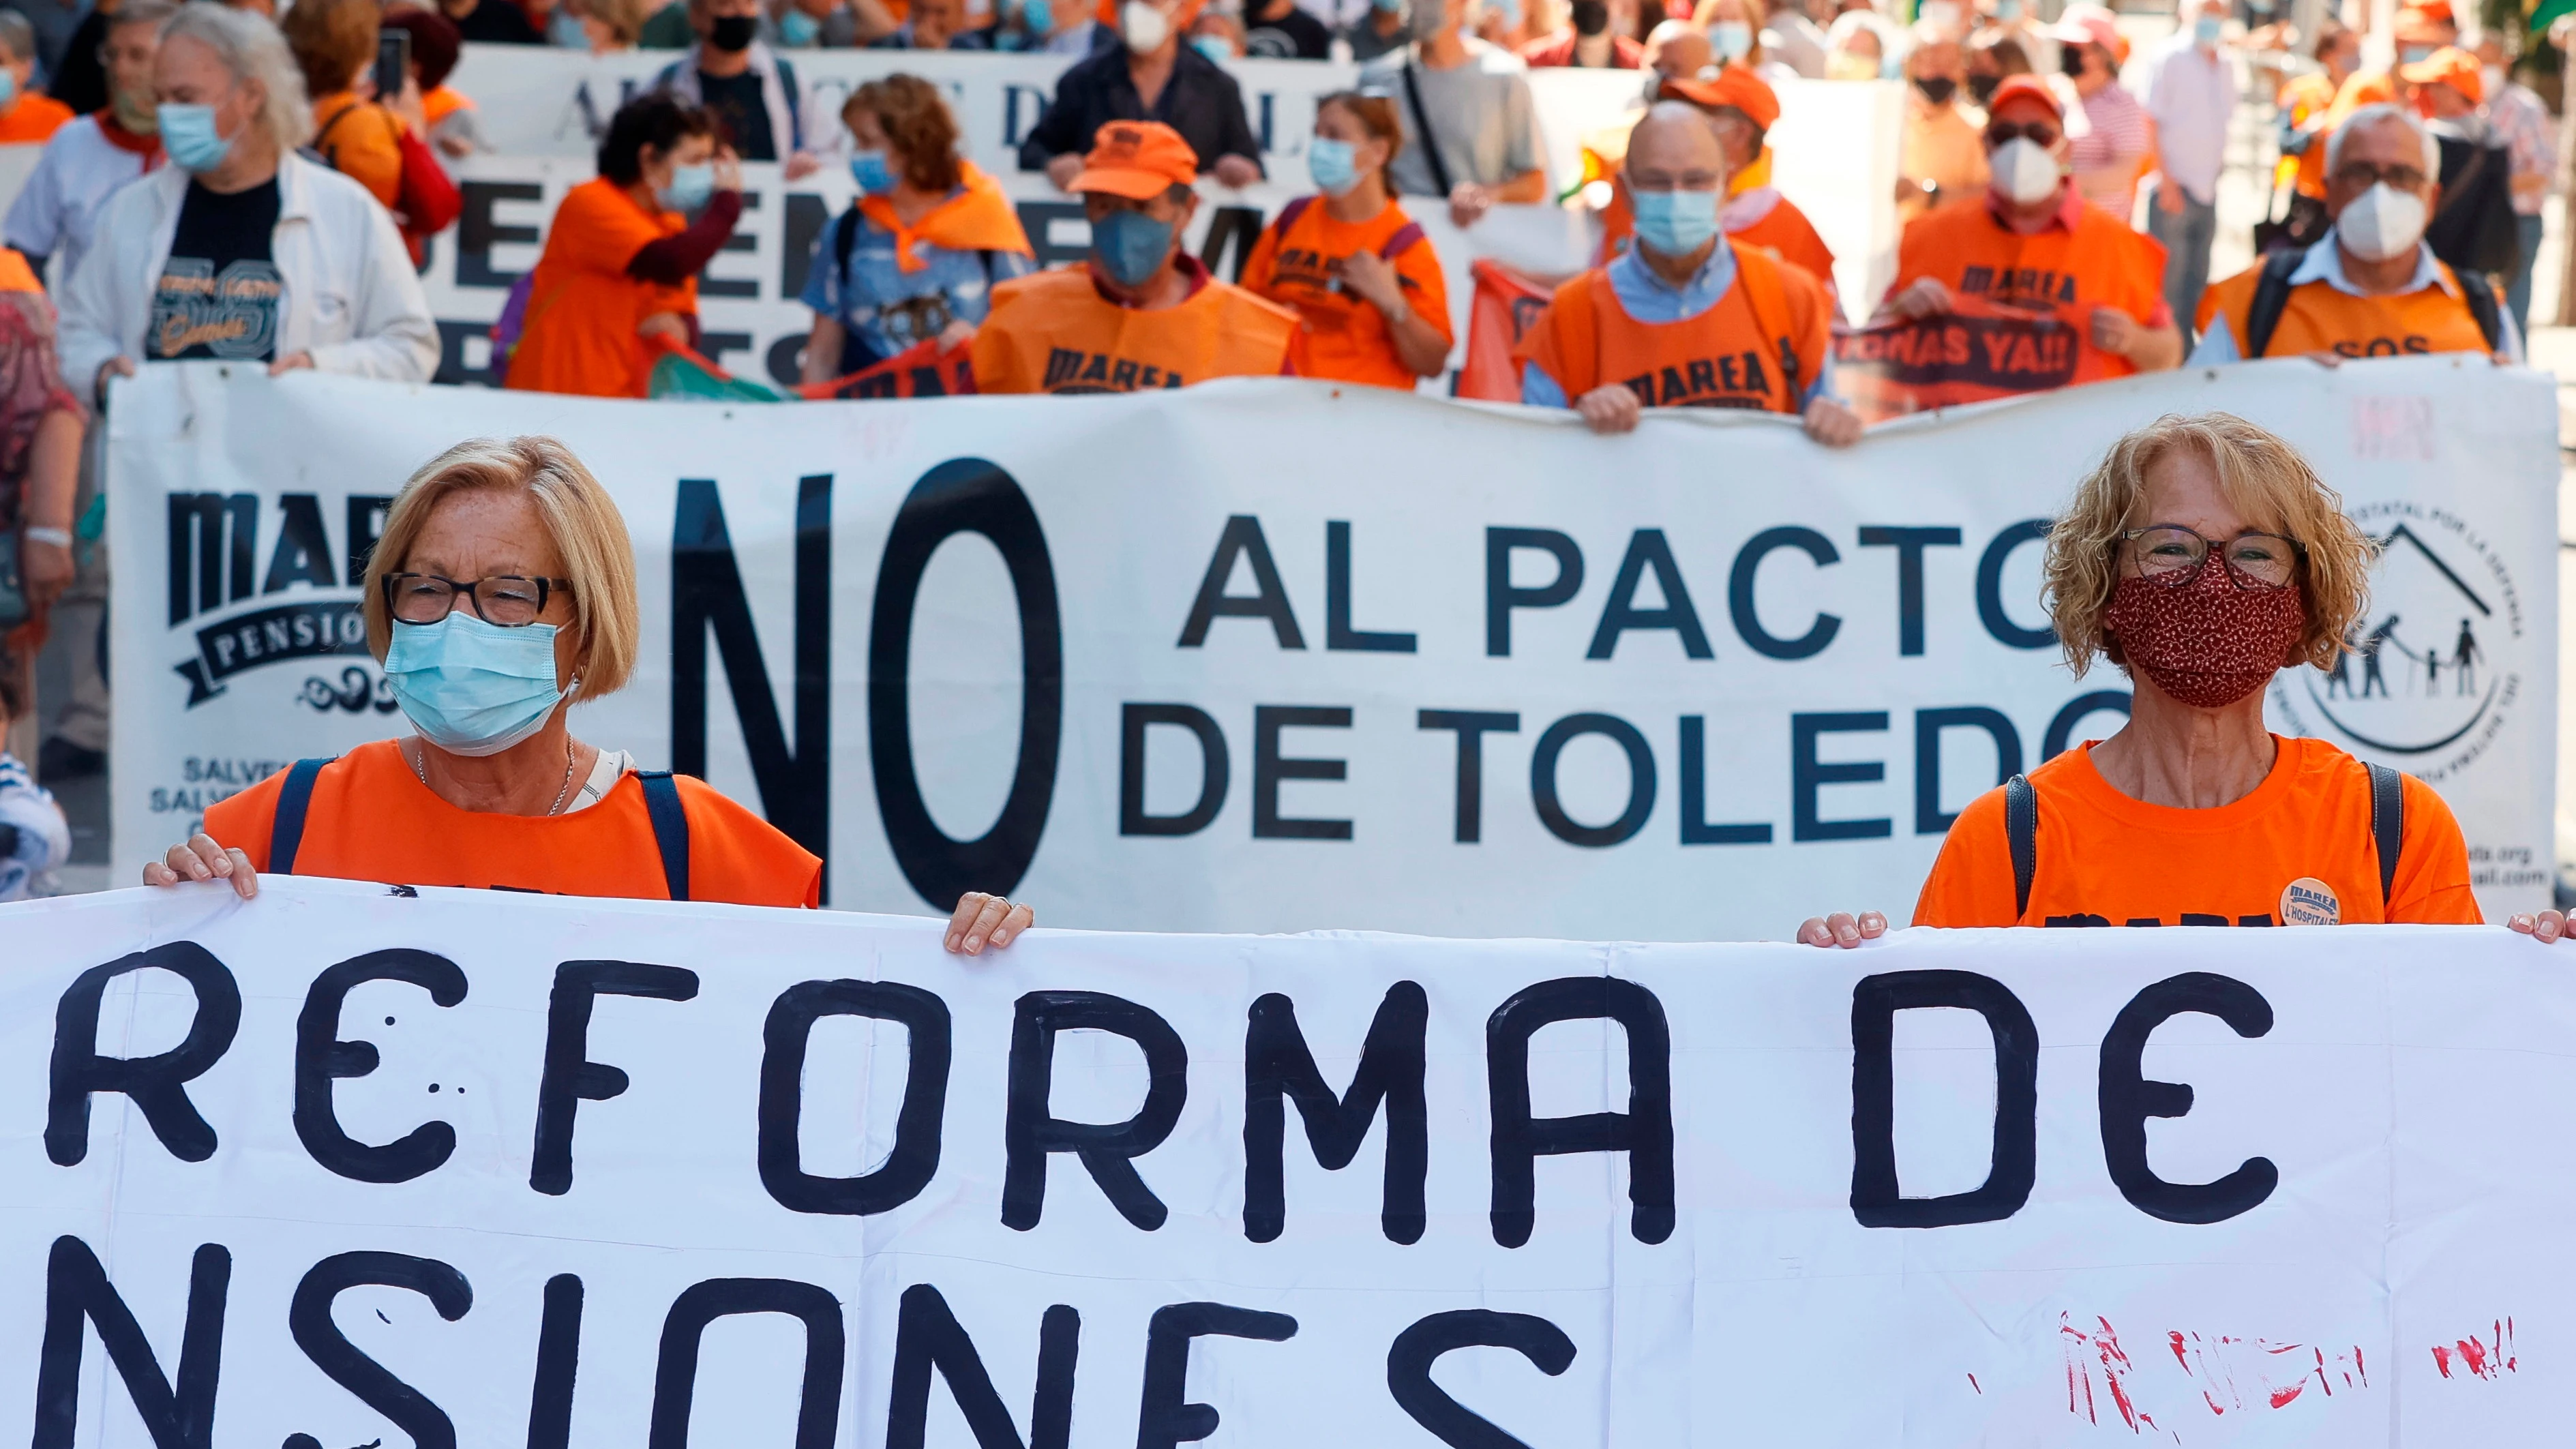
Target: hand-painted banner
{"type": "Point", "coordinates": [437, 1167]}
{"type": "Point", "coordinates": [1965, 356]}
{"type": "Point", "coordinates": [1274, 655]}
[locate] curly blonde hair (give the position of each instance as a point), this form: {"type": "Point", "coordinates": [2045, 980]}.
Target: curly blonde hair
{"type": "Point", "coordinates": [2263, 479]}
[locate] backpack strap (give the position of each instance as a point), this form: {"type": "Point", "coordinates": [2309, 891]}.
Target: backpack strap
{"type": "Point", "coordinates": [1759, 273]}
{"type": "Point", "coordinates": [286, 827]}
{"type": "Point", "coordinates": [2387, 826]}
{"type": "Point", "coordinates": [1406, 237]}
{"type": "Point", "coordinates": [2271, 297]}
{"type": "Point", "coordinates": [2021, 838]}
{"type": "Point", "coordinates": [2481, 297]}
{"type": "Point", "coordinates": [1423, 135]}
{"type": "Point", "coordinates": [670, 828]}
{"type": "Point", "coordinates": [1288, 214]}
{"type": "Point", "coordinates": [845, 235]}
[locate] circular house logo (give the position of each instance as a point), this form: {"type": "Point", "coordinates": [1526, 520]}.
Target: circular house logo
{"type": "Point", "coordinates": [2433, 666]}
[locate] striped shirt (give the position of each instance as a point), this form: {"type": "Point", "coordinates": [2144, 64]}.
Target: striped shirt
{"type": "Point", "coordinates": [2519, 117]}
{"type": "Point", "coordinates": [42, 840]}
{"type": "Point", "coordinates": [2106, 158]}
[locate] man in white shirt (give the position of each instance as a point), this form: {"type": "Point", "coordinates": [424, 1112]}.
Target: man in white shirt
{"type": "Point", "coordinates": [92, 156]}
{"type": "Point", "coordinates": [2191, 97]}
{"type": "Point", "coordinates": [1475, 101]}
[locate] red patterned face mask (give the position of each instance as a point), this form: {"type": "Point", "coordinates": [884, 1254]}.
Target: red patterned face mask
{"type": "Point", "coordinates": [2207, 643]}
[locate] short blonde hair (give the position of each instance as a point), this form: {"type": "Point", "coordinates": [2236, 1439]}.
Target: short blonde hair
{"type": "Point", "coordinates": [580, 517]}
{"type": "Point", "coordinates": [2261, 476]}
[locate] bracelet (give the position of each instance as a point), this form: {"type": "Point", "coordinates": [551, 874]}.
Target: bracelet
{"type": "Point", "coordinates": [58, 537]}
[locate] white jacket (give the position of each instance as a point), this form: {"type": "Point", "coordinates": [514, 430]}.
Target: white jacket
{"type": "Point", "coordinates": [351, 297]}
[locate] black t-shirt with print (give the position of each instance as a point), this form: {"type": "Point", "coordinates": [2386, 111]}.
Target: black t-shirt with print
{"type": "Point", "coordinates": [1295, 35]}
{"type": "Point", "coordinates": [737, 101]}
{"type": "Point", "coordinates": [218, 292]}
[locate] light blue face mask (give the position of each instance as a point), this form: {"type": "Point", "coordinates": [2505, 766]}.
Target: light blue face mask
{"type": "Point", "coordinates": [1131, 246]}
{"type": "Point", "coordinates": [473, 688]}
{"type": "Point", "coordinates": [1037, 18]}
{"type": "Point", "coordinates": [2008, 11]}
{"type": "Point", "coordinates": [188, 135]}
{"type": "Point", "coordinates": [1213, 48]}
{"type": "Point", "coordinates": [8, 88]}
{"type": "Point", "coordinates": [690, 187]}
{"type": "Point", "coordinates": [1334, 165]}
{"type": "Point", "coordinates": [1731, 39]}
{"type": "Point", "coordinates": [797, 30]}
{"type": "Point", "coordinates": [869, 169]}
{"type": "Point", "coordinates": [1675, 223]}
{"type": "Point", "coordinates": [2205, 31]}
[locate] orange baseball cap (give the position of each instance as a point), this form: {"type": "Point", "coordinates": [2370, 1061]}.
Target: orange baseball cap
{"type": "Point", "coordinates": [1734, 86]}
{"type": "Point", "coordinates": [2025, 88]}
{"type": "Point", "coordinates": [2449, 66]}
{"type": "Point", "coordinates": [1139, 160]}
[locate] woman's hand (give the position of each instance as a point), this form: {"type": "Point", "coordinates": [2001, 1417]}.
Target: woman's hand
{"type": "Point", "coordinates": [664, 324]}
{"type": "Point", "coordinates": [291, 362]}
{"type": "Point", "coordinates": [799, 166]}
{"type": "Point", "coordinates": [1236, 171]}
{"type": "Point", "coordinates": [980, 920]}
{"type": "Point", "coordinates": [1842, 929]}
{"type": "Point", "coordinates": [1468, 204]}
{"type": "Point", "coordinates": [1831, 423]}
{"type": "Point", "coordinates": [1610, 408]}
{"type": "Point", "coordinates": [1372, 278]}
{"type": "Point", "coordinates": [1062, 169]}
{"type": "Point", "coordinates": [202, 859]}
{"type": "Point", "coordinates": [729, 168]}
{"type": "Point", "coordinates": [1923, 297]}
{"type": "Point", "coordinates": [44, 571]}
{"type": "Point", "coordinates": [2546, 927]}
{"type": "Point", "coordinates": [956, 334]}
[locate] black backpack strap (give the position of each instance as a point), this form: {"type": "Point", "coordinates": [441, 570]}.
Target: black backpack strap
{"type": "Point", "coordinates": [2021, 838]}
{"type": "Point", "coordinates": [2271, 297]}
{"type": "Point", "coordinates": [2387, 825]}
{"type": "Point", "coordinates": [845, 235]}
{"type": "Point", "coordinates": [286, 827]}
{"type": "Point", "coordinates": [670, 828]}
{"type": "Point", "coordinates": [1423, 133]}
{"type": "Point", "coordinates": [2481, 298]}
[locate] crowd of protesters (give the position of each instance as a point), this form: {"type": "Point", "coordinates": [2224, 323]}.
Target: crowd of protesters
{"type": "Point", "coordinates": [239, 183]}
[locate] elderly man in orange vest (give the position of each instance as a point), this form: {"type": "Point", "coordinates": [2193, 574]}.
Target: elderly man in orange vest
{"type": "Point", "coordinates": [1686, 318]}
{"type": "Point", "coordinates": [2369, 287]}
{"type": "Point", "coordinates": [1141, 312]}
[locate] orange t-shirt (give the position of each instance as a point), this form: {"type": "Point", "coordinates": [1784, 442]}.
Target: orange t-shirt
{"type": "Point", "coordinates": [583, 308]}
{"type": "Point", "coordinates": [2107, 860]}
{"type": "Point", "coordinates": [361, 142]}
{"type": "Point", "coordinates": [34, 118]}
{"type": "Point", "coordinates": [439, 104]}
{"type": "Point", "coordinates": [1339, 336]}
{"type": "Point", "coordinates": [372, 819]}
{"type": "Point", "coordinates": [1054, 332]}
{"type": "Point", "coordinates": [1730, 356]}
{"type": "Point", "coordinates": [2084, 258]}
{"type": "Point", "coordinates": [2307, 98]}
{"type": "Point", "coordinates": [2321, 318]}
{"type": "Point", "coordinates": [1792, 238]}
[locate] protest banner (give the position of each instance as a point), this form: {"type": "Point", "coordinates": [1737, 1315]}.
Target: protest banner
{"type": "Point", "coordinates": [1272, 655]}
{"type": "Point", "coordinates": [441, 1167]}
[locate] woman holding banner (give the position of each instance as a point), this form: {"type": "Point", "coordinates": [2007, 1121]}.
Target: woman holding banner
{"type": "Point", "coordinates": [501, 593]}
{"type": "Point", "coordinates": [2202, 556]}
{"type": "Point", "coordinates": [1371, 304]}
{"type": "Point", "coordinates": [914, 259]}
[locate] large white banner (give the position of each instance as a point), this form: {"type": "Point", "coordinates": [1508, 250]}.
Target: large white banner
{"type": "Point", "coordinates": [1274, 655]}
{"type": "Point", "coordinates": [444, 1168]}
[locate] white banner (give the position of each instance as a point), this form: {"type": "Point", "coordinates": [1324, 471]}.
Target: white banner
{"type": "Point", "coordinates": [1271, 655]}
{"type": "Point", "coordinates": [449, 1168]}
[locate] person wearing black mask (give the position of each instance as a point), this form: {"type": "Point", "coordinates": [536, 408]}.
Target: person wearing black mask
{"type": "Point", "coordinates": [1942, 157]}
{"type": "Point", "coordinates": [1993, 54]}
{"type": "Point", "coordinates": [752, 92]}
{"type": "Point", "coordinates": [1592, 40]}
{"type": "Point", "coordinates": [495, 22]}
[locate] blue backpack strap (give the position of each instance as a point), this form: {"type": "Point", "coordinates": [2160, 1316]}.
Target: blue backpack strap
{"type": "Point", "coordinates": [2387, 825]}
{"type": "Point", "coordinates": [286, 828]}
{"type": "Point", "coordinates": [2021, 837]}
{"type": "Point", "coordinates": [670, 828]}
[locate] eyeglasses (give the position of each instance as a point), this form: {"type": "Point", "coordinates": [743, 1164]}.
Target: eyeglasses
{"type": "Point", "coordinates": [2361, 176]}
{"type": "Point", "coordinates": [503, 599]}
{"type": "Point", "coordinates": [2003, 133]}
{"type": "Point", "coordinates": [2171, 554]}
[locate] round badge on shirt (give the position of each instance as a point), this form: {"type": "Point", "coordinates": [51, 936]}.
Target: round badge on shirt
{"type": "Point", "coordinates": [2309, 901]}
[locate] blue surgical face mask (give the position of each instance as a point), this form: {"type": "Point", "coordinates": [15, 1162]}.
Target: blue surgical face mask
{"type": "Point", "coordinates": [1731, 39]}
{"type": "Point", "coordinates": [796, 29]}
{"type": "Point", "coordinates": [869, 169]}
{"type": "Point", "coordinates": [1675, 223]}
{"type": "Point", "coordinates": [1130, 246]}
{"type": "Point", "coordinates": [473, 688]}
{"type": "Point", "coordinates": [8, 88]}
{"type": "Point", "coordinates": [1037, 17]}
{"type": "Point", "coordinates": [2205, 31]}
{"type": "Point", "coordinates": [2414, 54]}
{"type": "Point", "coordinates": [690, 187]}
{"type": "Point", "coordinates": [1213, 48]}
{"type": "Point", "coordinates": [188, 134]}
{"type": "Point", "coordinates": [2008, 11]}
{"type": "Point", "coordinates": [1388, 7]}
{"type": "Point", "coordinates": [1334, 165]}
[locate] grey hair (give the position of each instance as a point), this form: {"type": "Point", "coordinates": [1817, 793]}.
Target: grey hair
{"type": "Point", "coordinates": [154, 13]}
{"type": "Point", "coordinates": [250, 47]}
{"type": "Point", "coordinates": [17, 35]}
{"type": "Point", "coordinates": [2372, 115]}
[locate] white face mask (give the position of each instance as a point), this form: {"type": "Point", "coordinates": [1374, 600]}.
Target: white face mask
{"type": "Point", "coordinates": [2493, 76]}
{"type": "Point", "coordinates": [2024, 171]}
{"type": "Point", "coordinates": [2381, 224]}
{"type": "Point", "coordinates": [1144, 26]}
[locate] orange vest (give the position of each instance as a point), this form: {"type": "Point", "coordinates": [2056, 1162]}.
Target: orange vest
{"type": "Point", "coordinates": [1785, 230]}
{"type": "Point", "coordinates": [1297, 264]}
{"type": "Point", "coordinates": [2307, 98]}
{"type": "Point", "coordinates": [1054, 332]}
{"type": "Point", "coordinates": [2319, 318]}
{"type": "Point", "coordinates": [372, 819]}
{"type": "Point", "coordinates": [1759, 347]}
{"type": "Point", "coordinates": [2086, 260]}
{"type": "Point", "coordinates": [583, 308]}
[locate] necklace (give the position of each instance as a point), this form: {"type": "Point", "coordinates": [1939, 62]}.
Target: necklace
{"type": "Point", "coordinates": [420, 767]}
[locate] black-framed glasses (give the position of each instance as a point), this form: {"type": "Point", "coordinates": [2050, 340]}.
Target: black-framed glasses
{"type": "Point", "coordinates": [504, 599]}
{"type": "Point", "coordinates": [2171, 554]}
{"type": "Point", "coordinates": [2003, 133]}
{"type": "Point", "coordinates": [2362, 175]}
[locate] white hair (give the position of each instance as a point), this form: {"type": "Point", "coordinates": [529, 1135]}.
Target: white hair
{"type": "Point", "coordinates": [2372, 115]}
{"type": "Point", "coordinates": [250, 47]}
